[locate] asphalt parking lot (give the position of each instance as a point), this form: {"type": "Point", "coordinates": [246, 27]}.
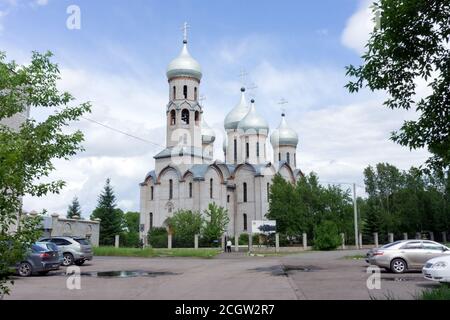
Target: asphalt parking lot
{"type": "Point", "coordinates": [310, 275]}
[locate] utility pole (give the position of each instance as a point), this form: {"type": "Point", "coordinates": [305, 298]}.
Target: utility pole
{"type": "Point", "coordinates": [355, 210]}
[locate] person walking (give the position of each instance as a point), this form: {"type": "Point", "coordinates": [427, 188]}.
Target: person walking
{"type": "Point", "coordinates": [229, 245]}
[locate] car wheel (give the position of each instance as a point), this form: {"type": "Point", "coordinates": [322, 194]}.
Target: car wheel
{"type": "Point", "coordinates": [25, 269]}
{"type": "Point", "coordinates": [398, 266]}
{"type": "Point", "coordinates": [67, 259]}
{"type": "Point", "coordinates": [79, 262]}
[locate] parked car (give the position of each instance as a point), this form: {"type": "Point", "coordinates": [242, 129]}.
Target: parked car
{"type": "Point", "coordinates": [400, 256]}
{"type": "Point", "coordinates": [42, 258]}
{"type": "Point", "coordinates": [437, 269]}
{"type": "Point", "coordinates": [74, 249]}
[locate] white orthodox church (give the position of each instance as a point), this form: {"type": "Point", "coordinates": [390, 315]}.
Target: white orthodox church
{"type": "Point", "coordinates": [186, 176]}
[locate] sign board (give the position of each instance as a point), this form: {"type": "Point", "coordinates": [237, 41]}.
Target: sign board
{"type": "Point", "coordinates": [264, 226]}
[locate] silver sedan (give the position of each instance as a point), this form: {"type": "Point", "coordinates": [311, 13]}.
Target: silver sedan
{"type": "Point", "coordinates": [400, 256]}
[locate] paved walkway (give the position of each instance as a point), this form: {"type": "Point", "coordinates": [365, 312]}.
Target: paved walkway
{"type": "Point", "coordinates": [235, 276]}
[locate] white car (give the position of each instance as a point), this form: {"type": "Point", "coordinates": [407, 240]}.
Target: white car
{"type": "Point", "coordinates": [437, 269]}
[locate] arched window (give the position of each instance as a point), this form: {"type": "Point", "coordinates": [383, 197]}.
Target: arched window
{"type": "Point", "coordinates": [195, 93]}
{"type": "Point", "coordinates": [257, 149]}
{"type": "Point", "coordinates": [190, 189]}
{"type": "Point", "coordinates": [288, 158]}
{"type": "Point", "coordinates": [211, 188]}
{"type": "Point", "coordinates": [228, 198]}
{"type": "Point", "coordinates": [172, 118]}
{"type": "Point", "coordinates": [151, 193]}
{"type": "Point", "coordinates": [185, 92]}
{"type": "Point", "coordinates": [197, 118]}
{"type": "Point", "coordinates": [185, 116]}
{"type": "Point", "coordinates": [174, 92]}
{"type": "Point", "coordinates": [245, 191]}
{"type": "Point", "coordinates": [245, 222]}
{"type": "Point", "coordinates": [295, 160]}
{"type": "Point", "coordinates": [170, 189]}
{"type": "Point", "coordinates": [268, 191]}
{"type": "Point", "coordinates": [279, 156]}
{"type": "Point", "coordinates": [247, 150]}
{"type": "Point", "coordinates": [235, 150]}
{"type": "Point", "coordinates": [151, 221]}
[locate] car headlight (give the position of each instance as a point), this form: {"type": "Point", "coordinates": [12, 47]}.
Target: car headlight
{"type": "Point", "coordinates": [439, 265]}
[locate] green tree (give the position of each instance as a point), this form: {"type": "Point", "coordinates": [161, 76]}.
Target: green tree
{"type": "Point", "coordinates": [74, 209]}
{"type": "Point", "coordinates": [284, 207]}
{"type": "Point", "coordinates": [216, 222]}
{"type": "Point", "coordinates": [130, 235]}
{"type": "Point", "coordinates": [410, 44]}
{"type": "Point", "coordinates": [185, 224]}
{"type": "Point", "coordinates": [326, 236]}
{"type": "Point", "coordinates": [111, 218]}
{"type": "Point", "coordinates": [26, 154]}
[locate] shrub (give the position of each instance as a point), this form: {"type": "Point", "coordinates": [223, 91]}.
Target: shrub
{"type": "Point", "coordinates": [129, 239]}
{"type": "Point", "coordinates": [243, 239]}
{"type": "Point", "coordinates": [185, 224]}
{"type": "Point", "coordinates": [326, 236]}
{"type": "Point", "coordinates": [157, 237]}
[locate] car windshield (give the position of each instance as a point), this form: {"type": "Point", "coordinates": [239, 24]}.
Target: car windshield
{"type": "Point", "coordinates": [82, 241]}
{"type": "Point", "coordinates": [391, 244]}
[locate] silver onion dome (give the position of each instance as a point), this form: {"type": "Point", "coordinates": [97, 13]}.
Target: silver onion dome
{"type": "Point", "coordinates": [237, 113]}
{"type": "Point", "coordinates": [208, 134]}
{"type": "Point", "coordinates": [284, 135]}
{"type": "Point", "coordinates": [184, 65]}
{"type": "Point", "coordinates": [253, 121]}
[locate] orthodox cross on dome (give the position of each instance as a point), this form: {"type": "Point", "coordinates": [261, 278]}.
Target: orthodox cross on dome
{"type": "Point", "coordinates": [251, 88]}
{"type": "Point", "coordinates": [185, 31]}
{"type": "Point", "coordinates": [282, 102]}
{"type": "Point", "coordinates": [243, 76]}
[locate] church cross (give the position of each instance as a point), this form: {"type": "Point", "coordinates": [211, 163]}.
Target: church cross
{"type": "Point", "coordinates": [243, 76]}
{"type": "Point", "coordinates": [282, 102]}
{"type": "Point", "coordinates": [185, 31]}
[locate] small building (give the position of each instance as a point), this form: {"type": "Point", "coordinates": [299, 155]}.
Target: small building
{"type": "Point", "coordinates": [55, 226]}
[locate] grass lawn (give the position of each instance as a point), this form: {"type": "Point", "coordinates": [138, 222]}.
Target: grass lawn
{"type": "Point", "coordinates": [150, 252]}
{"type": "Point", "coordinates": [355, 257]}
{"type": "Point", "coordinates": [440, 293]}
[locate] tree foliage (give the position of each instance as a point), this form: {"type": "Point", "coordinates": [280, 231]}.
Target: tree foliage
{"type": "Point", "coordinates": [411, 45]}
{"type": "Point", "coordinates": [326, 236]}
{"type": "Point", "coordinates": [299, 207]}
{"type": "Point", "coordinates": [185, 224]}
{"type": "Point", "coordinates": [112, 222]}
{"type": "Point", "coordinates": [215, 222]}
{"type": "Point", "coordinates": [405, 201]}
{"type": "Point", "coordinates": [130, 235]}
{"type": "Point", "coordinates": [74, 209]}
{"type": "Point", "coordinates": [26, 154]}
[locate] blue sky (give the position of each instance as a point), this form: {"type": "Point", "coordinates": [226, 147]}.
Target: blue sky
{"type": "Point", "coordinates": [295, 50]}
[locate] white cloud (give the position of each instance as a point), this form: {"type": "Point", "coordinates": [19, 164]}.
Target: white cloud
{"type": "Point", "coordinates": [41, 2]}
{"type": "Point", "coordinates": [358, 27]}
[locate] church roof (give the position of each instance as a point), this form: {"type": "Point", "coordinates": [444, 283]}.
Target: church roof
{"type": "Point", "coordinates": [208, 134]}
{"type": "Point", "coordinates": [237, 113]}
{"type": "Point", "coordinates": [182, 151]}
{"type": "Point", "coordinates": [284, 135]}
{"type": "Point", "coordinates": [184, 65]}
{"type": "Point", "coordinates": [253, 121]}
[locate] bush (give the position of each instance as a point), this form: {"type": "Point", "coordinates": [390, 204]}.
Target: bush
{"type": "Point", "coordinates": [243, 239]}
{"type": "Point", "coordinates": [129, 239]}
{"type": "Point", "coordinates": [157, 237]}
{"type": "Point", "coordinates": [185, 224]}
{"type": "Point", "coordinates": [326, 236]}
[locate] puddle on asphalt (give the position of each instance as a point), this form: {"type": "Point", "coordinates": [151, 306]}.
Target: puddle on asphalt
{"type": "Point", "coordinates": [399, 279]}
{"type": "Point", "coordinates": [283, 270]}
{"type": "Point", "coordinates": [125, 274]}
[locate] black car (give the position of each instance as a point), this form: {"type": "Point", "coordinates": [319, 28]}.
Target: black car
{"type": "Point", "coordinates": [42, 258]}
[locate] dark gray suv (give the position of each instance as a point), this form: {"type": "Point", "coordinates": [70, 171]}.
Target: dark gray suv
{"type": "Point", "coordinates": [74, 249]}
{"type": "Point", "coordinates": [41, 258]}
